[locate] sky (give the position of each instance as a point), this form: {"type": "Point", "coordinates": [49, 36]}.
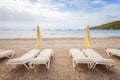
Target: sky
{"type": "Point", "coordinates": [57, 14]}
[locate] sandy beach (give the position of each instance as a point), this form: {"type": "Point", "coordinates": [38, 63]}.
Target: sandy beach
{"type": "Point", "coordinates": [61, 64]}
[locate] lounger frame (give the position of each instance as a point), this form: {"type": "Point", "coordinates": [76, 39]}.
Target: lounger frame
{"type": "Point", "coordinates": [111, 52]}
{"type": "Point", "coordinates": [81, 60]}
{"type": "Point", "coordinates": [98, 59]}
{"type": "Point", "coordinates": [25, 59]}
{"type": "Point", "coordinates": [39, 58]}
{"type": "Point", "coordinates": [7, 53]}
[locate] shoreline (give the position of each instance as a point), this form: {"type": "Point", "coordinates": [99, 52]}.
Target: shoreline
{"type": "Point", "coordinates": [62, 38]}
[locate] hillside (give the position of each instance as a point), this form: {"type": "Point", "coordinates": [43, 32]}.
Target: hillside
{"type": "Point", "coordinates": [112, 25]}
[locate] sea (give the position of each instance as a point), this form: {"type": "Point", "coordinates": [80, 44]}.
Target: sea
{"type": "Point", "coordinates": [60, 34]}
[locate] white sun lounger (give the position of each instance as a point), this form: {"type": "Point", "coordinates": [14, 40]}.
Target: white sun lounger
{"type": "Point", "coordinates": [98, 59]}
{"type": "Point", "coordinates": [7, 53]}
{"type": "Point", "coordinates": [79, 57]}
{"type": "Point", "coordinates": [25, 58]}
{"type": "Point", "coordinates": [42, 58]}
{"type": "Point", "coordinates": [111, 52]}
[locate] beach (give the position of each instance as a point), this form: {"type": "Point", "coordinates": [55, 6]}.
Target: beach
{"type": "Point", "coordinates": [61, 67]}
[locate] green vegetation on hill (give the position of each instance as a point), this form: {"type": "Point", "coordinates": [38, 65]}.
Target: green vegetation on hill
{"type": "Point", "coordinates": [112, 25]}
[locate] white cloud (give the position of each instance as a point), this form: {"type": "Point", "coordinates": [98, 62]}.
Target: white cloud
{"type": "Point", "coordinates": [100, 2]}
{"type": "Point", "coordinates": [81, 3]}
{"type": "Point", "coordinates": [16, 13]}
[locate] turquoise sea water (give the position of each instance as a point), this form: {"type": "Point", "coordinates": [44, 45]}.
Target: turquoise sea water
{"type": "Point", "coordinates": [59, 34]}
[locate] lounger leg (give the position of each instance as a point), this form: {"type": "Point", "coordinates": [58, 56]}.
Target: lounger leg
{"type": "Point", "coordinates": [108, 54]}
{"type": "Point", "coordinates": [93, 67]}
{"type": "Point", "coordinates": [74, 64]}
{"type": "Point", "coordinates": [109, 66]}
{"type": "Point", "coordinates": [31, 66]}
{"type": "Point", "coordinates": [90, 65]}
{"type": "Point", "coordinates": [10, 56]}
{"type": "Point", "coordinates": [48, 64]}
{"type": "Point", "coordinates": [26, 66]}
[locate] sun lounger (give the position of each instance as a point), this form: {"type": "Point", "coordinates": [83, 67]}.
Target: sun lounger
{"type": "Point", "coordinates": [79, 57]}
{"type": "Point", "coordinates": [7, 53]}
{"type": "Point", "coordinates": [98, 59]}
{"type": "Point", "coordinates": [25, 58]}
{"type": "Point", "coordinates": [111, 52]}
{"type": "Point", "coordinates": [42, 58]}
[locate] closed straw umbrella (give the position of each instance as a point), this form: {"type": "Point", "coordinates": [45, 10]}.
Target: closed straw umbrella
{"type": "Point", "coordinates": [87, 41]}
{"type": "Point", "coordinates": [39, 39]}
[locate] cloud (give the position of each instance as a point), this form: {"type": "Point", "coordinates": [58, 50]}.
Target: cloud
{"type": "Point", "coordinates": [49, 14]}
{"type": "Point", "coordinates": [98, 2]}
{"type": "Point", "coordinates": [28, 9]}
{"type": "Point", "coordinates": [81, 3]}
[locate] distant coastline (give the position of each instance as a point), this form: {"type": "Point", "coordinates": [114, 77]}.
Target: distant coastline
{"type": "Point", "coordinates": [115, 25]}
